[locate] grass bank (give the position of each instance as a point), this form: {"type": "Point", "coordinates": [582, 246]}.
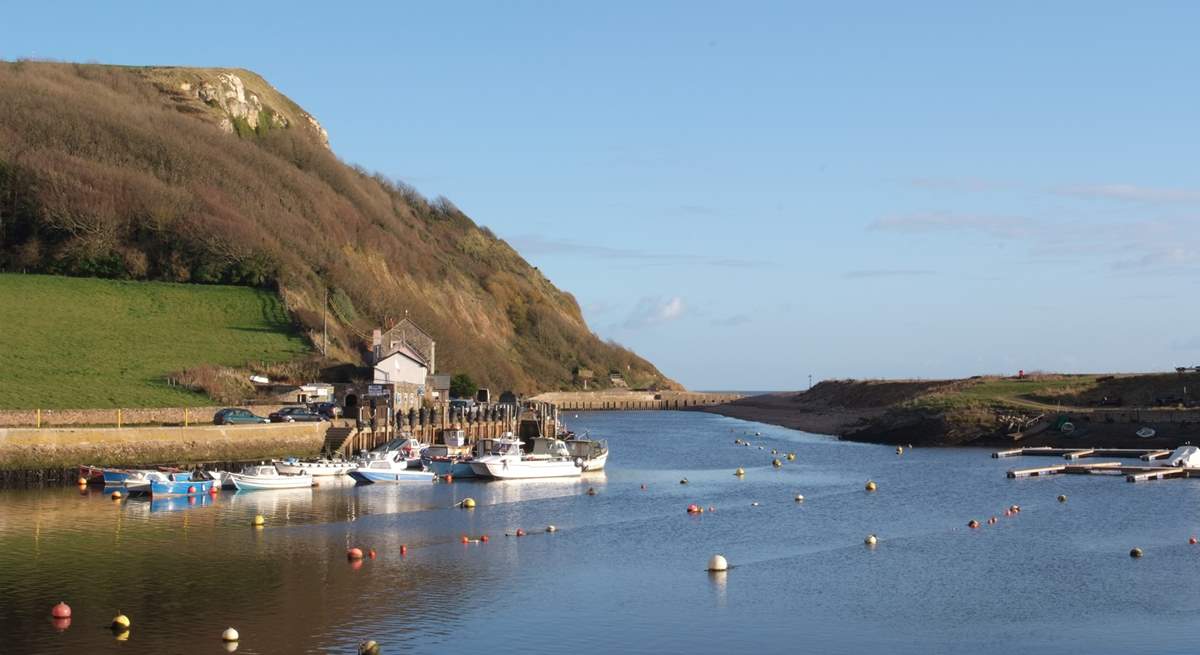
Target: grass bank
{"type": "Point", "coordinates": [91, 343]}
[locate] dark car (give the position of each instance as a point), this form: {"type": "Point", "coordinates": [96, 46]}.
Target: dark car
{"type": "Point", "coordinates": [327, 411]}
{"type": "Point", "coordinates": [236, 415]}
{"type": "Point", "coordinates": [294, 415]}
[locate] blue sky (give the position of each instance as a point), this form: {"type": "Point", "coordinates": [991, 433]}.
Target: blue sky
{"type": "Point", "coordinates": [749, 193]}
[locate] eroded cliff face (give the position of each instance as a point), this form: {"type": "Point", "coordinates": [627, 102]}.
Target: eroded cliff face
{"type": "Point", "coordinates": [213, 176]}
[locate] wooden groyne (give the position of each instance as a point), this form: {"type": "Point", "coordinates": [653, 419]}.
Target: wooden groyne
{"type": "Point", "coordinates": [634, 400]}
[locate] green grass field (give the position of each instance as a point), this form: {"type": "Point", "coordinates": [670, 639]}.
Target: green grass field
{"type": "Point", "coordinates": [90, 343]}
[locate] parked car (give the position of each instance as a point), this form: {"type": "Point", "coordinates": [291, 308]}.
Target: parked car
{"type": "Point", "coordinates": [328, 411]}
{"type": "Point", "coordinates": [236, 415]}
{"type": "Point", "coordinates": [461, 404]}
{"type": "Point", "coordinates": [294, 415]}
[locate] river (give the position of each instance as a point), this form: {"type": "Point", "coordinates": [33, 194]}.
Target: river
{"type": "Point", "coordinates": [626, 569]}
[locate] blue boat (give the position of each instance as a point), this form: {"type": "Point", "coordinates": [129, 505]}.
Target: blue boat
{"type": "Point", "coordinates": [115, 477]}
{"type": "Point", "coordinates": [179, 487]}
{"type": "Point", "coordinates": [388, 470]}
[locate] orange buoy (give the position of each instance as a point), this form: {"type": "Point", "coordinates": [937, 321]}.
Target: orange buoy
{"type": "Point", "coordinates": [694, 509]}
{"type": "Point", "coordinates": [371, 553]}
{"type": "Point", "coordinates": [520, 532]}
{"type": "Point", "coordinates": [61, 611]}
{"type": "Point", "coordinates": [465, 540]}
{"type": "Point", "coordinates": [403, 550]}
{"type": "Point", "coordinates": [191, 488]}
{"type": "Point", "coordinates": [116, 495]}
{"type": "Point", "coordinates": [213, 490]}
{"type": "Point", "coordinates": [81, 481]}
{"type": "Point", "coordinates": [483, 538]}
{"type": "Point", "coordinates": [973, 524]}
{"type": "Point", "coordinates": [448, 477]}
{"type": "Point", "coordinates": [1192, 541]}
{"type": "Point", "coordinates": [354, 554]}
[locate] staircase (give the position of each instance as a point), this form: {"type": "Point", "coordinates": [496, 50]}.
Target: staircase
{"type": "Point", "coordinates": [336, 438]}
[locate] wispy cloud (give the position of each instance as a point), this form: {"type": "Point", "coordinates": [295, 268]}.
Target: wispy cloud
{"type": "Point", "coordinates": [886, 272]}
{"type": "Point", "coordinates": [1130, 193]}
{"type": "Point", "coordinates": [538, 245]}
{"type": "Point", "coordinates": [1009, 227]}
{"type": "Point", "coordinates": [654, 310]}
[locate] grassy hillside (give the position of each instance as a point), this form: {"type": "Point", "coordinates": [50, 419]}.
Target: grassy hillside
{"type": "Point", "coordinates": [211, 176]}
{"type": "Point", "coordinates": [80, 343]}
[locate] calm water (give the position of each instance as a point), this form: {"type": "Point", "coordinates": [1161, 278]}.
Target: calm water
{"type": "Point", "coordinates": [626, 570]}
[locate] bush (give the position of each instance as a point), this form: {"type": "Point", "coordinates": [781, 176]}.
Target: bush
{"type": "Point", "coordinates": [461, 386]}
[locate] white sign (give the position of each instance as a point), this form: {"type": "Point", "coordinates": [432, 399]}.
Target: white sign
{"type": "Point", "coordinates": [376, 390]}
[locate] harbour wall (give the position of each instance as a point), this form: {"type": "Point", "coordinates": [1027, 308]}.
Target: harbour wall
{"type": "Point", "coordinates": [40, 452]}
{"type": "Point", "coordinates": [18, 418]}
{"type": "Point", "coordinates": [633, 400]}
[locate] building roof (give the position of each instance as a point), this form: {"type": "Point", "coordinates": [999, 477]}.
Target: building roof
{"type": "Point", "coordinates": [404, 350]}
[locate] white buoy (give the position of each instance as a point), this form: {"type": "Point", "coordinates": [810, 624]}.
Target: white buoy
{"type": "Point", "coordinates": [799, 498]}
{"type": "Point", "coordinates": [871, 540]}
{"type": "Point", "coordinates": [718, 563]}
{"type": "Point", "coordinates": [229, 635]}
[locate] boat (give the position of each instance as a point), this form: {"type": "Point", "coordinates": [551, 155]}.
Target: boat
{"type": "Point", "coordinates": [1184, 456]}
{"type": "Point", "coordinates": [158, 483]}
{"type": "Point", "coordinates": [450, 460]}
{"type": "Point", "coordinates": [593, 452]}
{"type": "Point", "coordinates": [266, 476]}
{"type": "Point", "coordinates": [117, 477]}
{"type": "Point", "coordinates": [389, 469]}
{"type": "Point", "coordinates": [1146, 432]}
{"type": "Point", "coordinates": [91, 474]}
{"type": "Point", "coordinates": [404, 447]}
{"type": "Point", "coordinates": [313, 467]}
{"type": "Point", "coordinates": [549, 458]}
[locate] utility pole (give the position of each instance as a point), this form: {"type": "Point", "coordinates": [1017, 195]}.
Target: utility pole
{"type": "Point", "coordinates": [810, 380]}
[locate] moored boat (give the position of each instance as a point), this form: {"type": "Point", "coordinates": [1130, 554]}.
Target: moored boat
{"type": "Point", "coordinates": [593, 452]}
{"type": "Point", "coordinates": [254, 478]}
{"type": "Point", "coordinates": [391, 469]}
{"type": "Point", "coordinates": [314, 467]}
{"type": "Point", "coordinates": [551, 460]}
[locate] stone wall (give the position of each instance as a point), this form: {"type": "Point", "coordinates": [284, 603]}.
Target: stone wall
{"type": "Point", "coordinates": [14, 418]}
{"type": "Point", "coordinates": [56, 448]}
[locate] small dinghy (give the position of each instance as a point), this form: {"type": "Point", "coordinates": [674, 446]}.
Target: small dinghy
{"type": "Point", "coordinates": [256, 478]}
{"type": "Point", "coordinates": [1146, 432]}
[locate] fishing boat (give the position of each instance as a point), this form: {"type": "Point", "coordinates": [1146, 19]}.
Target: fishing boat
{"type": "Point", "coordinates": [389, 469]}
{"type": "Point", "coordinates": [404, 447]}
{"type": "Point", "coordinates": [254, 478]}
{"type": "Point", "coordinates": [593, 452]}
{"type": "Point", "coordinates": [313, 467]}
{"type": "Point", "coordinates": [549, 458]}
{"type": "Point", "coordinates": [449, 460]}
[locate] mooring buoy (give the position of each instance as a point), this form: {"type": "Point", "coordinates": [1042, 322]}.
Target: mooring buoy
{"type": "Point", "coordinates": [717, 563]}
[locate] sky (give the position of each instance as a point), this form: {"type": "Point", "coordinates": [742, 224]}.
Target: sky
{"type": "Point", "coordinates": [750, 193]}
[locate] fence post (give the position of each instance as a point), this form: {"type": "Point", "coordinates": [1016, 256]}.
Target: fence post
{"type": "Point", "coordinates": [39, 417]}
{"type": "Point", "coordinates": [118, 419]}
{"type": "Point", "coordinates": [185, 417]}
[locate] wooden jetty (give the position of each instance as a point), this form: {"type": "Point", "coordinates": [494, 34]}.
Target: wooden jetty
{"type": "Point", "coordinates": [1146, 454]}
{"type": "Point", "coordinates": [1132, 473]}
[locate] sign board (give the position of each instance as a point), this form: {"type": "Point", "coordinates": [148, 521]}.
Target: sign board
{"type": "Point", "coordinates": [377, 390]}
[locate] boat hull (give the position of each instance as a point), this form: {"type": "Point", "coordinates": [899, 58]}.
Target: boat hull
{"type": "Point", "coordinates": [595, 463]}
{"type": "Point", "coordinates": [364, 476]}
{"type": "Point", "coordinates": [458, 469]}
{"type": "Point", "coordinates": [160, 489]}
{"type": "Point", "coordinates": [315, 469]}
{"type": "Point", "coordinates": [259, 483]}
{"type": "Point", "coordinates": [521, 469]}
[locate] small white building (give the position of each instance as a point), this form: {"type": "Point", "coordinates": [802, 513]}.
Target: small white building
{"type": "Point", "coordinates": [404, 365]}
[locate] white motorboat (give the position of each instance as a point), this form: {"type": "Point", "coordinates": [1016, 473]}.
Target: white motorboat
{"type": "Point", "coordinates": [389, 469]}
{"type": "Point", "coordinates": [253, 478]}
{"type": "Point", "coordinates": [1146, 432]}
{"type": "Point", "coordinates": [315, 468]}
{"type": "Point", "coordinates": [405, 447]}
{"type": "Point", "coordinates": [550, 460]}
{"type": "Point", "coordinates": [594, 453]}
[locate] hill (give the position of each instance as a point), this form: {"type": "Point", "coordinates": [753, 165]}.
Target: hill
{"type": "Point", "coordinates": [83, 343]}
{"type": "Point", "coordinates": [1104, 410]}
{"type": "Point", "coordinates": [212, 176]}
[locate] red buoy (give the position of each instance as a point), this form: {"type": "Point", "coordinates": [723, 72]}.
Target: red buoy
{"type": "Point", "coordinates": [520, 532]}
{"type": "Point", "coordinates": [465, 540]}
{"type": "Point", "coordinates": [191, 488]}
{"type": "Point", "coordinates": [61, 611]}
{"type": "Point", "coordinates": [212, 491]}
{"type": "Point", "coordinates": [449, 478]}
{"type": "Point", "coordinates": [403, 550]}
{"type": "Point", "coordinates": [1192, 541]}
{"type": "Point", "coordinates": [484, 538]}
{"type": "Point", "coordinates": [371, 553]}
{"type": "Point", "coordinates": [973, 524]}
{"type": "Point", "coordinates": [354, 554]}
{"type": "Point", "coordinates": [694, 509]}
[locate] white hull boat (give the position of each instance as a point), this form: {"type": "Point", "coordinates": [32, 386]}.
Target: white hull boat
{"type": "Point", "coordinates": [257, 478]}
{"type": "Point", "coordinates": [549, 460]}
{"type": "Point", "coordinates": [316, 468]}
{"type": "Point", "coordinates": [389, 470]}
{"type": "Point", "coordinates": [593, 453]}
